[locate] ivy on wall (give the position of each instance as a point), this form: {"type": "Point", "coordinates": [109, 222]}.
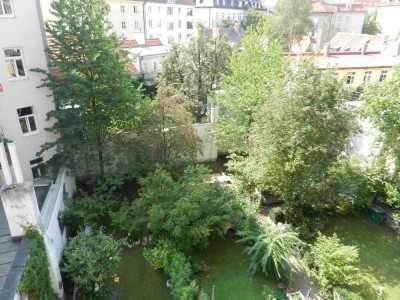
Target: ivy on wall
{"type": "Point", "coordinates": [35, 282]}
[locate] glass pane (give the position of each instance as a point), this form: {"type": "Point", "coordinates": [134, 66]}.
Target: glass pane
{"type": "Point", "coordinates": [7, 7]}
{"type": "Point", "coordinates": [12, 52]}
{"type": "Point", "coordinates": [23, 124]}
{"type": "Point", "coordinates": [20, 67]}
{"type": "Point", "coordinates": [10, 68]}
{"type": "Point", "coordinates": [36, 172]}
{"type": "Point", "coordinates": [32, 123]}
{"type": "Point", "coordinates": [25, 111]}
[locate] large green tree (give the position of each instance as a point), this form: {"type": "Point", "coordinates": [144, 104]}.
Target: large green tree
{"type": "Point", "coordinates": [93, 91]}
{"type": "Point", "coordinates": [255, 72]}
{"type": "Point", "coordinates": [299, 134]}
{"type": "Point", "coordinates": [293, 20]}
{"type": "Point", "coordinates": [197, 68]}
{"type": "Point", "coordinates": [370, 25]}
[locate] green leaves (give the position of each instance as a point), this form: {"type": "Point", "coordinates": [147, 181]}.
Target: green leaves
{"type": "Point", "coordinates": [187, 210]}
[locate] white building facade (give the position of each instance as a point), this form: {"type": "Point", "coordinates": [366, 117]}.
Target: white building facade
{"type": "Point", "coordinates": [23, 106]}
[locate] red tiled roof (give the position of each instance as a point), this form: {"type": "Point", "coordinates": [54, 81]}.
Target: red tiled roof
{"type": "Point", "coordinates": [181, 2]}
{"type": "Point", "coordinates": [131, 68]}
{"type": "Point", "coordinates": [130, 44]}
{"type": "Point", "coordinates": [353, 42]}
{"type": "Point", "coordinates": [353, 8]}
{"type": "Point", "coordinates": [153, 42]}
{"type": "Point", "coordinates": [319, 7]}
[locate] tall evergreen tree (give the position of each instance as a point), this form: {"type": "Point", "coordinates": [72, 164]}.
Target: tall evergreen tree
{"type": "Point", "coordinates": [93, 91]}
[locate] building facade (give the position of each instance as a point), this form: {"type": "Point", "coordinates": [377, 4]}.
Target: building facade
{"type": "Point", "coordinates": [23, 106]}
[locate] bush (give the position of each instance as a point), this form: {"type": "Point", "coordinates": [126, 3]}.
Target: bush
{"type": "Point", "coordinates": [311, 226]}
{"type": "Point", "coordinates": [277, 214]}
{"type": "Point", "coordinates": [160, 256]}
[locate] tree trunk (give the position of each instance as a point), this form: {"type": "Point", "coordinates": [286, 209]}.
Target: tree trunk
{"type": "Point", "coordinates": [101, 159]}
{"type": "Point", "coordinates": [75, 293]}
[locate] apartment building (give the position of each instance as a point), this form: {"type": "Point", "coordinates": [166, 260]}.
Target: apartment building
{"type": "Point", "coordinates": [23, 106]}
{"type": "Point", "coordinates": [169, 20]}
{"type": "Point", "coordinates": [214, 13]}
{"type": "Point", "coordinates": [388, 17]}
{"type": "Point", "coordinates": [127, 18]}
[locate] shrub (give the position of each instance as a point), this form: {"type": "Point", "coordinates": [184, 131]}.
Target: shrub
{"type": "Point", "coordinates": [311, 226]}
{"type": "Point", "coordinates": [277, 214]}
{"type": "Point", "coordinates": [334, 263]}
{"type": "Point", "coordinates": [160, 256]}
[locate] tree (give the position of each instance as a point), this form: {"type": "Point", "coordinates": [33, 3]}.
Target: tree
{"type": "Point", "coordinates": [370, 25]}
{"type": "Point", "coordinates": [299, 134]}
{"type": "Point", "coordinates": [93, 91]}
{"type": "Point", "coordinates": [197, 68]}
{"type": "Point", "coordinates": [293, 20]}
{"type": "Point", "coordinates": [270, 247]}
{"type": "Point", "coordinates": [381, 107]}
{"type": "Point", "coordinates": [254, 72]}
{"type": "Point", "coordinates": [187, 210]}
{"type": "Point", "coordinates": [167, 132]}
{"type": "Point", "coordinates": [90, 261]}
{"type": "Point", "coordinates": [334, 263]}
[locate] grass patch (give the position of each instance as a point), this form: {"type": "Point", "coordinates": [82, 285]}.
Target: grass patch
{"type": "Point", "coordinates": [379, 250]}
{"type": "Point", "coordinates": [138, 280]}
{"type": "Point", "coordinates": [227, 272]}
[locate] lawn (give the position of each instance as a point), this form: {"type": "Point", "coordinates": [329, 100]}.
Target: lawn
{"type": "Point", "coordinates": [379, 251]}
{"type": "Point", "coordinates": [138, 280]}
{"type": "Point", "coordinates": [227, 272]}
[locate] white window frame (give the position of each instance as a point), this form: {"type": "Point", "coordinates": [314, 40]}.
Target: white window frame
{"type": "Point", "coordinates": [170, 11]}
{"type": "Point", "coordinates": [179, 23]}
{"type": "Point", "coordinates": [36, 166]}
{"type": "Point", "coordinates": [170, 26]}
{"type": "Point", "coordinates": [13, 60]}
{"type": "Point", "coordinates": [149, 9]}
{"type": "Point", "coordinates": [144, 67]}
{"type": "Point", "coordinates": [383, 75]}
{"type": "Point", "coordinates": [135, 9]}
{"type": "Point", "coordinates": [151, 24]}
{"type": "Point", "coordinates": [159, 24]}
{"type": "Point", "coordinates": [179, 37]}
{"type": "Point", "coordinates": [154, 66]}
{"type": "Point", "coordinates": [2, 9]}
{"type": "Point", "coordinates": [367, 76]}
{"type": "Point", "coordinates": [170, 39]}
{"type": "Point", "coordinates": [121, 8]}
{"type": "Point", "coordinates": [350, 77]}
{"type": "Point", "coordinates": [27, 120]}
{"type": "Point", "coordinates": [136, 24]}
{"type": "Point", "coordinates": [123, 25]}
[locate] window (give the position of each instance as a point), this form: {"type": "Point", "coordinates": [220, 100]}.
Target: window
{"type": "Point", "coordinates": [179, 24]}
{"type": "Point", "coordinates": [179, 37]}
{"type": "Point", "coordinates": [159, 24]}
{"type": "Point", "coordinates": [350, 77]}
{"type": "Point", "coordinates": [155, 66]}
{"type": "Point", "coordinates": [189, 12]}
{"type": "Point", "coordinates": [37, 167]}
{"type": "Point", "coordinates": [170, 26]}
{"type": "Point", "coordinates": [170, 39]}
{"type": "Point", "coordinates": [170, 10]}
{"type": "Point", "coordinates": [14, 62]}
{"type": "Point", "coordinates": [171, 1]}
{"type": "Point", "coordinates": [135, 9]}
{"type": "Point", "coordinates": [201, 1]}
{"type": "Point", "coordinates": [149, 9]}
{"type": "Point", "coordinates": [233, 16]}
{"type": "Point", "coordinates": [216, 16]}
{"type": "Point", "coordinates": [229, 16]}
{"type": "Point", "coordinates": [123, 25]}
{"type": "Point", "coordinates": [159, 8]}
{"type": "Point", "coordinates": [383, 75]}
{"type": "Point", "coordinates": [122, 8]}
{"type": "Point", "coordinates": [222, 16]}
{"type": "Point", "coordinates": [179, 10]}
{"type": "Point", "coordinates": [367, 76]}
{"type": "Point", "coordinates": [217, 2]}
{"type": "Point", "coordinates": [189, 25]}
{"type": "Point", "coordinates": [5, 8]}
{"type": "Point", "coordinates": [144, 66]}
{"type": "Point", "coordinates": [150, 23]}
{"type": "Point", "coordinates": [239, 16]}
{"type": "Point", "coordinates": [136, 24]}
{"type": "Point", "coordinates": [27, 119]}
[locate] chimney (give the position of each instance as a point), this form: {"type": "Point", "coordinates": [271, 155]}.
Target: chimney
{"type": "Point", "coordinates": [364, 49]}
{"type": "Point", "coordinates": [327, 49]}
{"type": "Point", "coordinates": [237, 27]}
{"type": "Point", "coordinates": [19, 178]}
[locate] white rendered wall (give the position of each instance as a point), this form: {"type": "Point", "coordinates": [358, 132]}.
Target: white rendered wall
{"type": "Point", "coordinates": [389, 19]}
{"type": "Point", "coordinates": [24, 31]}
{"type": "Point", "coordinates": [349, 21]}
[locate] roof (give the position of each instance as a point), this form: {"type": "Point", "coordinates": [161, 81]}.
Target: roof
{"type": "Point", "coordinates": [233, 35]}
{"type": "Point", "coordinates": [179, 2]}
{"type": "Point", "coordinates": [319, 7]}
{"type": "Point", "coordinates": [144, 50]}
{"type": "Point", "coordinates": [344, 41]}
{"type": "Point", "coordinates": [357, 61]}
{"type": "Point", "coordinates": [152, 42]}
{"type": "Point", "coordinates": [8, 249]}
{"type": "Point", "coordinates": [352, 8]}
{"type": "Point", "coordinates": [129, 44]}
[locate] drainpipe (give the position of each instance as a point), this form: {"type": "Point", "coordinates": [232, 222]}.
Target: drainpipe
{"type": "Point", "coordinates": [144, 20]}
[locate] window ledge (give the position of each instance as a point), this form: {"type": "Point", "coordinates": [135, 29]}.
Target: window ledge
{"type": "Point", "coordinates": [19, 79]}
{"type": "Point", "coordinates": [30, 133]}
{"type": "Point", "coordinates": [7, 16]}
